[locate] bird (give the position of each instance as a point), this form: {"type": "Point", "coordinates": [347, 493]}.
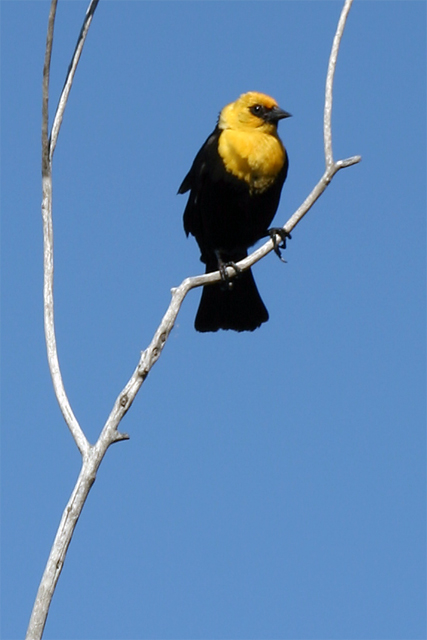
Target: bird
{"type": "Point", "coordinates": [235, 183]}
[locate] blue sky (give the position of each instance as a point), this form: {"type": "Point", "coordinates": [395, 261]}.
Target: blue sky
{"type": "Point", "coordinates": [274, 482]}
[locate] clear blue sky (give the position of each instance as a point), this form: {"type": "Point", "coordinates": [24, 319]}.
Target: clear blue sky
{"type": "Point", "coordinates": [274, 483]}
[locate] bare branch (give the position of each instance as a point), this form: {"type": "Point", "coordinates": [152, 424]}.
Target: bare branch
{"type": "Point", "coordinates": [46, 75]}
{"type": "Point", "coordinates": [70, 76]}
{"type": "Point", "coordinates": [150, 356]}
{"type": "Point", "coordinates": [92, 455]}
{"type": "Point", "coordinates": [59, 549]}
{"type": "Point", "coordinates": [327, 117]}
{"type": "Point", "coordinates": [85, 481]}
{"type": "Point", "coordinates": [49, 324]}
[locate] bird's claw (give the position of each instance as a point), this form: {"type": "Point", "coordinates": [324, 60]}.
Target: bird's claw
{"type": "Point", "coordinates": [226, 281]}
{"type": "Point", "coordinates": [284, 235]}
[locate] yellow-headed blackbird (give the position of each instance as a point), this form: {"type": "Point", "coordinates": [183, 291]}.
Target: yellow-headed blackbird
{"type": "Point", "coordinates": [235, 183]}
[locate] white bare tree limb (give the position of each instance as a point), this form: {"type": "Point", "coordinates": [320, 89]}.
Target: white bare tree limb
{"type": "Point", "coordinates": [70, 77]}
{"type": "Point", "coordinates": [70, 516]}
{"type": "Point", "coordinates": [48, 147]}
{"type": "Point", "coordinates": [92, 455]}
{"type": "Point", "coordinates": [327, 113]}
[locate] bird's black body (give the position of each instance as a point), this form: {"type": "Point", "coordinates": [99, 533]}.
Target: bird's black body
{"type": "Point", "coordinates": [227, 216]}
{"type": "Point", "coordinates": [221, 213]}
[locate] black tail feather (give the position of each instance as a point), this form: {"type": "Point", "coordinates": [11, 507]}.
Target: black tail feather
{"type": "Point", "coordinates": [238, 307]}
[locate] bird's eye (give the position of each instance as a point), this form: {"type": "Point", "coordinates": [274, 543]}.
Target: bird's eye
{"type": "Point", "coordinates": [257, 110]}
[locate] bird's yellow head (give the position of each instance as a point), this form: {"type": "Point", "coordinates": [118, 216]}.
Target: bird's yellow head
{"type": "Point", "coordinates": [252, 111]}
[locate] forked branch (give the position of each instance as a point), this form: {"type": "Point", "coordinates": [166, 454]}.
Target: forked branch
{"type": "Point", "coordinates": [48, 147]}
{"type": "Point", "coordinates": [92, 455]}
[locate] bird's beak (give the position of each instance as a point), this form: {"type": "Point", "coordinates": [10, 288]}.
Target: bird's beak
{"type": "Point", "coordinates": [277, 114]}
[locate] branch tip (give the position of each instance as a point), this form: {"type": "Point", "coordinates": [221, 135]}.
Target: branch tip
{"type": "Point", "coordinates": [348, 162]}
{"type": "Point", "coordinates": [118, 437]}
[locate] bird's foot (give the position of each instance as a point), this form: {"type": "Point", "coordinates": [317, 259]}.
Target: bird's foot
{"type": "Point", "coordinates": [277, 246]}
{"type": "Point", "coordinates": [227, 282]}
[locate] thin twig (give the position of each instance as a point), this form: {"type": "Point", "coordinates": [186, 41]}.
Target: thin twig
{"type": "Point", "coordinates": [49, 322]}
{"type": "Point", "coordinates": [70, 76]}
{"type": "Point", "coordinates": [46, 76]}
{"type": "Point", "coordinates": [327, 117]}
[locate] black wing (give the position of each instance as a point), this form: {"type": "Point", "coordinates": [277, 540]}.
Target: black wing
{"type": "Point", "coordinates": [193, 177]}
{"type": "Point", "coordinates": [201, 169]}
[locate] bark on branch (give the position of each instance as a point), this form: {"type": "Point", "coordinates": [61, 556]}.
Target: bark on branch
{"type": "Point", "coordinates": [92, 455]}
